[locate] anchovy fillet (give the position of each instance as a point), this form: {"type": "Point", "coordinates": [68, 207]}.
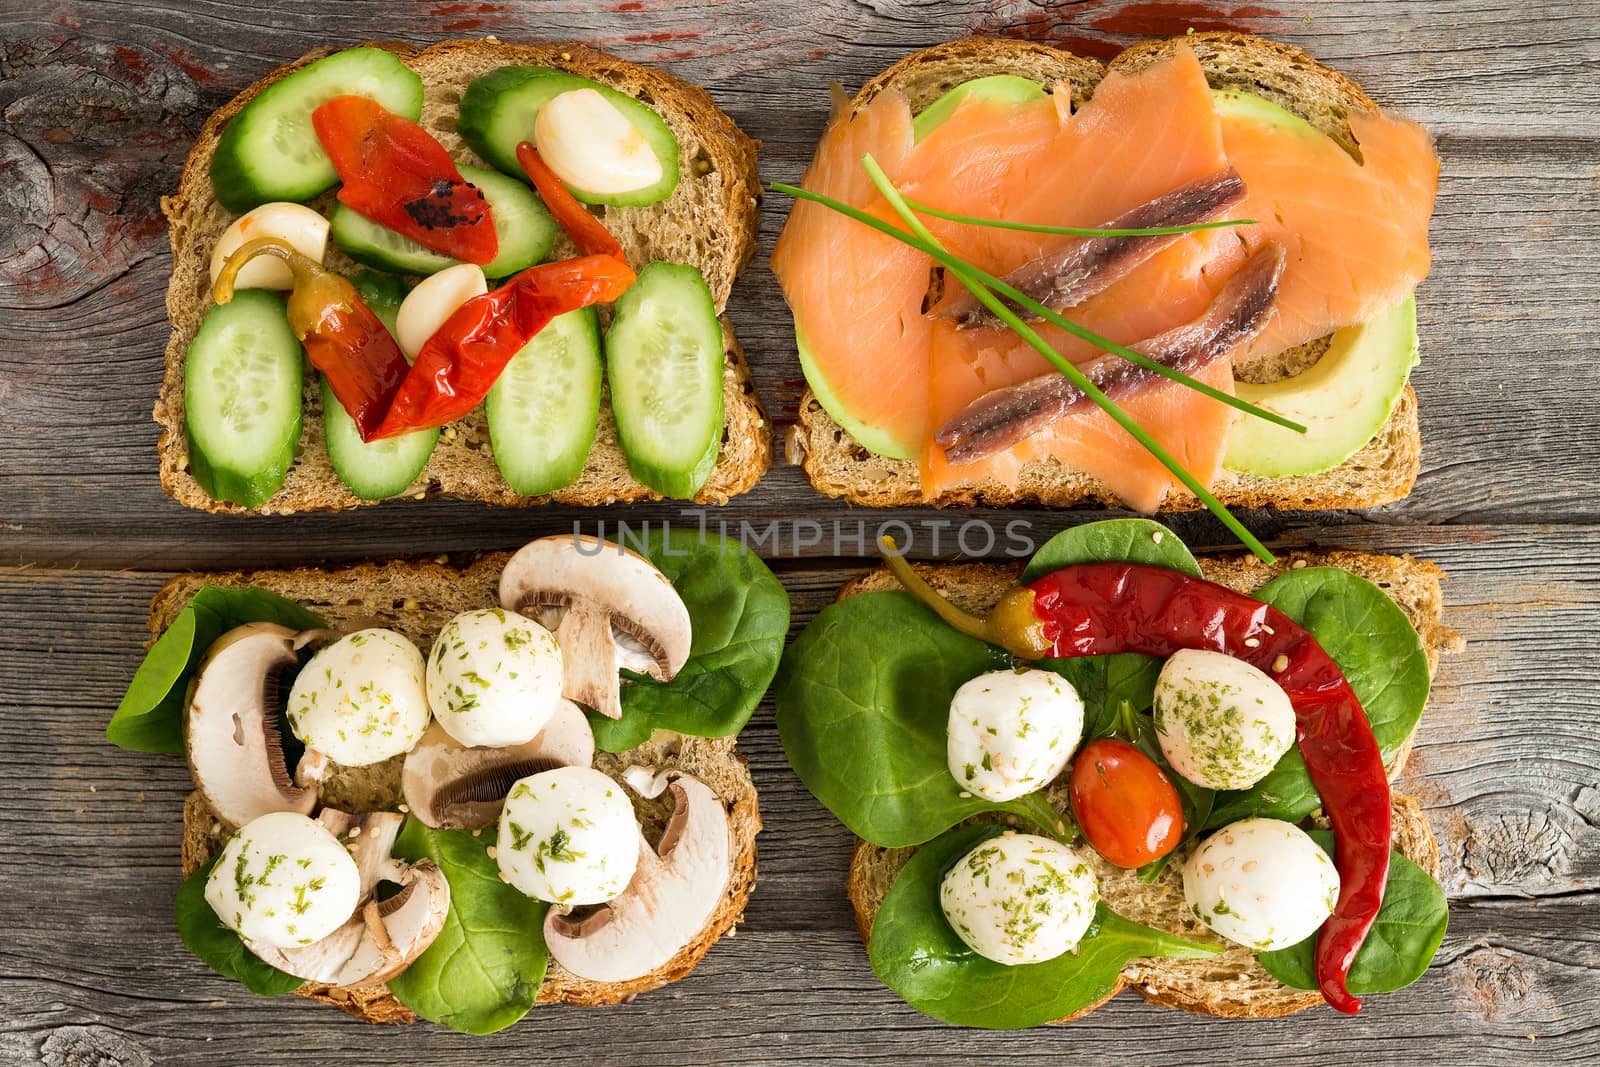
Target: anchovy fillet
{"type": "Point", "coordinates": [999, 419]}
{"type": "Point", "coordinates": [1080, 268]}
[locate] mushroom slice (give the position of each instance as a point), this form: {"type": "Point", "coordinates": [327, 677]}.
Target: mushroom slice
{"type": "Point", "coordinates": [675, 891]}
{"type": "Point", "coordinates": [449, 786]}
{"type": "Point", "coordinates": [231, 726]}
{"type": "Point", "coordinates": [610, 610]}
{"type": "Point", "coordinates": [381, 938]}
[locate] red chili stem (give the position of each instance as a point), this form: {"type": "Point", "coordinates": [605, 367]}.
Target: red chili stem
{"type": "Point", "coordinates": [1096, 609]}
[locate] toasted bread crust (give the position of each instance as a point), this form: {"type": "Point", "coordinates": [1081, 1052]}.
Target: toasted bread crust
{"type": "Point", "coordinates": [417, 598]}
{"type": "Point", "coordinates": [710, 221]}
{"type": "Point", "coordinates": [1383, 472]}
{"type": "Point", "coordinates": [1232, 984]}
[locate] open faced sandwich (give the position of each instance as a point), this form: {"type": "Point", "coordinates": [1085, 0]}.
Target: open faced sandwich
{"type": "Point", "coordinates": [477, 270]}
{"type": "Point", "coordinates": [1122, 766]}
{"type": "Point", "coordinates": [527, 762]}
{"type": "Point", "coordinates": [1182, 278]}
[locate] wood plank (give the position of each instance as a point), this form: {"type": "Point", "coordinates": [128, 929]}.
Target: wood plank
{"type": "Point", "coordinates": [101, 111]}
{"type": "Point", "coordinates": [101, 102]}
{"type": "Point", "coordinates": [1516, 826]}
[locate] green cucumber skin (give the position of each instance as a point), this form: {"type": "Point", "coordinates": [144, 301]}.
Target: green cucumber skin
{"type": "Point", "coordinates": [523, 224]}
{"type": "Point", "coordinates": [531, 479]}
{"type": "Point", "coordinates": [485, 97]}
{"type": "Point", "coordinates": [378, 470]}
{"type": "Point", "coordinates": [237, 182]}
{"type": "Point", "coordinates": [382, 293]}
{"type": "Point", "coordinates": [224, 477]}
{"type": "Point", "coordinates": [677, 484]}
{"type": "Point", "coordinates": [669, 476]}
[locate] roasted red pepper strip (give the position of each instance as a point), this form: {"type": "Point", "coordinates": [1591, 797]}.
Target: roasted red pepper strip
{"type": "Point", "coordinates": [586, 231]}
{"type": "Point", "coordinates": [1095, 609]}
{"type": "Point", "coordinates": [342, 337]}
{"type": "Point", "coordinates": [461, 361]}
{"type": "Point", "coordinates": [395, 173]}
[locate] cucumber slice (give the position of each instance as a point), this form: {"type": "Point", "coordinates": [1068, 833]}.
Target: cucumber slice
{"type": "Point", "coordinates": [269, 150]}
{"type": "Point", "coordinates": [498, 111]}
{"type": "Point", "coordinates": [378, 470]}
{"type": "Point", "coordinates": [382, 293]}
{"type": "Point", "coordinates": [521, 221]}
{"type": "Point", "coordinates": [545, 408]}
{"type": "Point", "coordinates": [241, 398]}
{"type": "Point", "coordinates": [664, 365]}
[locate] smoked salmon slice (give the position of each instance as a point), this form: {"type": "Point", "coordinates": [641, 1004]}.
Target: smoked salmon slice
{"type": "Point", "coordinates": [857, 294]}
{"type": "Point", "coordinates": [1356, 234]}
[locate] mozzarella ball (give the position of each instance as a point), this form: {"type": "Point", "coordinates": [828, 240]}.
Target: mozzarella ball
{"type": "Point", "coordinates": [1012, 732]}
{"type": "Point", "coordinates": [301, 228]}
{"type": "Point", "coordinates": [1262, 883]}
{"type": "Point", "coordinates": [1221, 723]}
{"type": "Point", "coordinates": [1020, 898]}
{"type": "Point", "coordinates": [284, 880]}
{"type": "Point", "coordinates": [590, 144]}
{"type": "Point", "coordinates": [568, 836]}
{"type": "Point", "coordinates": [360, 700]}
{"type": "Point", "coordinates": [494, 678]}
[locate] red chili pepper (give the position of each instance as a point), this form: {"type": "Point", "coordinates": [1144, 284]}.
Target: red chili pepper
{"type": "Point", "coordinates": [586, 231]}
{"type": "Point", "coordinates": [460, 362]}
{"type": "Point", "coordinates": [342, 337]}
{"type": "Point", "coordinates": [395, 173]}
{"type": "Point", "coordinates": [1095, 609]}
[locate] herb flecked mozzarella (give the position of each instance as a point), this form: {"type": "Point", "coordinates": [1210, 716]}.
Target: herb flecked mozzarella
{"type": "Point", "coordinates": [1020, 898]}
{"type": "Point", "coordinates": [1012, 732]}
{"type": "Point", "coordinates": [568, 836]}
{"type": "Point", "coordinates": [1221, 723]}
{"type": "Point", "coordinates": [283, 880]}
{"type": "Point", "coordinates": [1262, 883]}
{"type": "Point", "coordinates": [494, 678]}
{"type": "Point", "coordinates": [360, 700]}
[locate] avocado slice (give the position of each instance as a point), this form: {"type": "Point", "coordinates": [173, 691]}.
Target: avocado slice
{"type": "Point", "coordinates": [1343, 401]}
{"type": "Point", "coordinates": [1002, 88]}
{"type": "Point", "coordinates": [872, 438]}
{"type": "Point", "coordinates": [1230, 103]}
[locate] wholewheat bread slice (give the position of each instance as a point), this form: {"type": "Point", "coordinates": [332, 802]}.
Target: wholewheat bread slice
{"type": "Point", "coordinates": [417, 599]}
{"type": "Point", "coordinates": [1231, 984]}
{"type": "Point", "coordinates": [709, 221]}
{"type": "Point", "coordinates": [1380, 473]}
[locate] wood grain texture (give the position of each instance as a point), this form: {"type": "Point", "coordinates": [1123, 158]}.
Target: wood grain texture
{"type": "Point", "coordinates": [100, 102]}
{"type": "Point", "coordinates": [1504, 765]}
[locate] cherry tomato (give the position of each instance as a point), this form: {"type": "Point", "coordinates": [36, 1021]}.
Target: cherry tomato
{"type": "Point", "coordinates": [1126, 805]}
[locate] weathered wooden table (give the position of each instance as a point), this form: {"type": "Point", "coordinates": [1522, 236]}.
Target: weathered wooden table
{"type": "Point", "coordinates": [100, 101]}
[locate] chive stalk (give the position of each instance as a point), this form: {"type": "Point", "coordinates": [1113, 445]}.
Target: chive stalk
{"type": "Point", "coordinates": [963, 273]}
{"type": "Point", "coordinates": [1072, 231]}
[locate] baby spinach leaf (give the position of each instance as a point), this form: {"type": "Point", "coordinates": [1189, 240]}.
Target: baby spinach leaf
{"type": "Point", "coordinates": [915, 952]}
{"type": "Point", "coordinates": [1399, 948]}
{"type": "Point", "coordinates": [484, 971]}
{"type": "Point", "coordinates": [150, 717]}
{"type": "Point", "coordinates": [219, 947]}
{"type": "Point", "coordinates": [740, 614]}
{"type": "Point", "coordinates": [1196, 799]}
{"type": "Point", "coordinates": [1112, 541]}
{"type": "Point", "coordinates": [1106, 683]}
{"type": "Point", "coordinates": [863, 706]}
{"type": "Point", "coordinates": [1381, 655]}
